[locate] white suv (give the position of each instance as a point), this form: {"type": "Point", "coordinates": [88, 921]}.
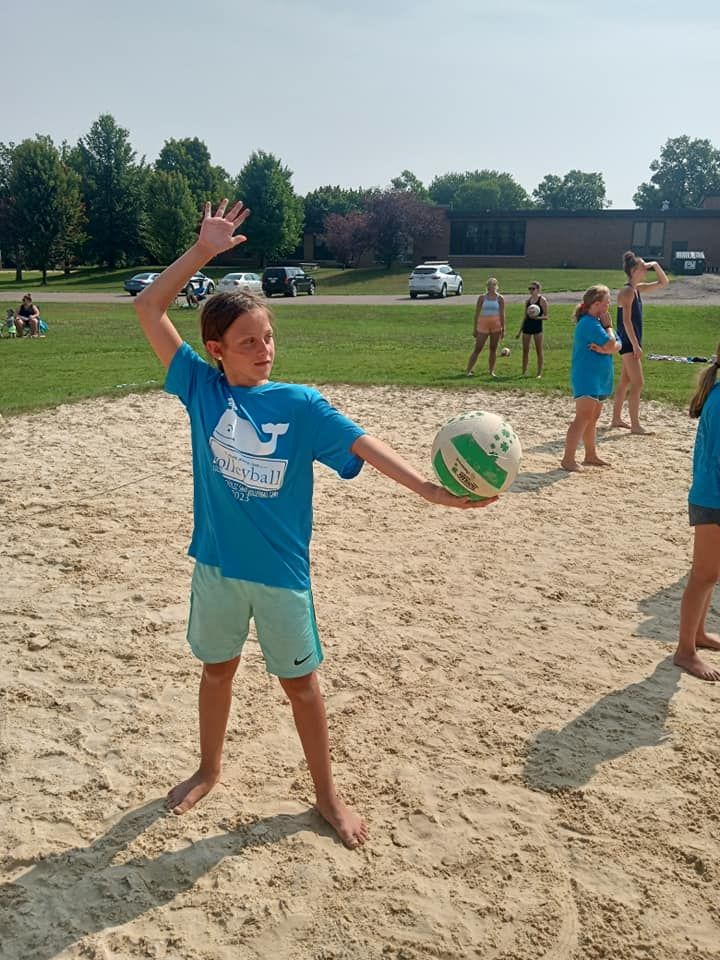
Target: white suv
{"type": "Point", "coordinates": [436, 279]}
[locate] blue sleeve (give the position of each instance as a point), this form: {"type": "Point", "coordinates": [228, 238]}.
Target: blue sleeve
{"type": "Point", "coordinates": [596, 333]}
{"type": "Point", "coordinates": [333, 435]}
{"type": "Point", "coordinates": [185, 369]}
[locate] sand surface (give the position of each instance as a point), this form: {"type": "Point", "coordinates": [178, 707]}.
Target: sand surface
{"type": "Point", "coordinates": [539, 780]}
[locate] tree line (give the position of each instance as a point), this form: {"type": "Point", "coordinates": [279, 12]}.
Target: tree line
{"type": "Point", "coordinates": [97, 203]}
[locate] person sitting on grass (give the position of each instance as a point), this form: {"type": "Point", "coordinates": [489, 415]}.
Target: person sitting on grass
{"type": "Point", "coordinates": [254, 442]}
{"type": "Point", "coordinates": [27, 318]}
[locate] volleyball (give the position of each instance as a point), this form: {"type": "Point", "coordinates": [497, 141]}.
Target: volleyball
{"type": "Point", "coordinates": [505, 352]}
{"type": "Point", "coordinates": [534, 311]}
{"type": "Point", "coordinates": [476, 454]}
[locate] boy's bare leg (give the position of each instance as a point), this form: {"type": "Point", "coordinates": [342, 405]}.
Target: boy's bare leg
{"type": "Point", "coordinates": [696, 601]}
{"type": "Point", "coordinates": [308, 709]}
{"type": "Point", "coordinates": [214, 708]}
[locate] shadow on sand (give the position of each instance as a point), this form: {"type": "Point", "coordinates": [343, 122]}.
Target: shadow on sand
{"type": "Point", "coordinates": [71, 895]}
{"type": "Point", "coordinates": [617, 724]}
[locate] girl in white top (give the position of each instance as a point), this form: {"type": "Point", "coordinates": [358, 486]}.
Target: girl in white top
{"type": "Point", "coordinates": [489, 323]}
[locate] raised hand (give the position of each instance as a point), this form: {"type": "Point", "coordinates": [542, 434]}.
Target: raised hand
{"type": "Point", "coordinates": [217, 231]}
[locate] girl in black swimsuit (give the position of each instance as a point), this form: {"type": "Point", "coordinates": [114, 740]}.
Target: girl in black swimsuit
{"type": "Point", "coordinates": [629, 328]}
{"type": "Point", "coordinates": [532, 328]}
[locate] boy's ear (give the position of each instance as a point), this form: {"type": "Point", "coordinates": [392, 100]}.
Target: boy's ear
{"type": "Point", "coordinates": [214, 349]}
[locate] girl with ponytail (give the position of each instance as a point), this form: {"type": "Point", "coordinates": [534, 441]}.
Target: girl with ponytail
{"type": "Point", "coordinates": [630, 329]}
{"type": "Point", "coordinates": [591, 375]}
{"type": "Point", "coordinates": [704, 511]}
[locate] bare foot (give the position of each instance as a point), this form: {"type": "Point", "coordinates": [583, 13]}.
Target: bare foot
{"type": "Point", "coordinates": [571, 466]}
{"type": "Point", "coordinates": [595, 462]}
{"type": "Point", "coordinates": [697, 667]}
{"type": "Point", "coordinates": [709, 641]}
{"type": "Point", "coordinates": [185, 795]}
{"type": "Point", "coordinates": [620, 423]}
{"type": "Point", "coordinates": [349, 826]}
{"type": "Point", "coordinates": [641, 432]}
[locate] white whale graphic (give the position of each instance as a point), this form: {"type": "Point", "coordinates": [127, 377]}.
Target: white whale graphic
{"type": "Point", "coordinates": [242, 457]}
{"type": "Point", "coordinates": [240, 435]}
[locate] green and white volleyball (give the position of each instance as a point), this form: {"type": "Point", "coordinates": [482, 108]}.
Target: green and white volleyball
{"type": "Point", "coordinates": [476, 454]}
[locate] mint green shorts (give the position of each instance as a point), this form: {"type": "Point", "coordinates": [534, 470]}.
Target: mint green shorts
{"type": "Point", "coordinates": [220, 613]}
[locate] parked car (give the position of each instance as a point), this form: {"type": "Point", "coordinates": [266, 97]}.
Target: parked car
{"type": "Point", "coordinates": [436, 279]}
{"type": "Point", "coordinates": [289, 281]}
{"type": "Point", "coordinates": [235, 282]}
{"type": "Point", "coordinates": [137, 284]}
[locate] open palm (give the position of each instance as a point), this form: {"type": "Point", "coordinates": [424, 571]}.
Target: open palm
{"type": "Point", "coordinates": [217, 231]}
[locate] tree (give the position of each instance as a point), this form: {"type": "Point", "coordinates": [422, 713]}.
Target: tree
{"type": "Point", "coordinates": [687, 171]}
{"type": "Point", "coordinates": [409, 183]}
{"type": "Point", "coordinates": [9, 241]}
{"type": "Point", "coordinates": [46, 202]}
{"type": "Point", "coordinates": [191, 158]}
{"type": "Point", "coordinates": [479, 190]}
{"type": "Point", "coordinates": [575, 191]}
{"type": "Point", "coordinates": [172, 216]}
{"type": "Point", "coordinates": [277, 212]}
{"type": "Point", "coordinates": [320, 203]}
{"type": "Point", "coordinates": [112, 185]}
{"type": "Point", "coordinates": [443, 188]}
{"type": "Point", "coordinates": [397, 220]}
{"type": "Point", "coordinates": [347, 237]}
{"type": "Point", "coordinates": [71, 216]}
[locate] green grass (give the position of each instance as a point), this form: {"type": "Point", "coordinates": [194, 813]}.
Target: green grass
{"type": "Point", "coordinates": [334, 281]}
{"type": "Point", "coordinates": [94, 349]}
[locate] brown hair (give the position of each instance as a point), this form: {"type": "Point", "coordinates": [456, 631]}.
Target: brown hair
{"type": "Point", "coordinates": [630, 261]}
{"type": "Point", "coordinates": [592, 295]}
{"type": "Point", "coordinates": [706, 381]}
{"type": "Point", "coordinates": [222, 310]}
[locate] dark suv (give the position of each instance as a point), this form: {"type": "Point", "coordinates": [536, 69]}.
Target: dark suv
{"type": "Point", "coordinates": [289, 281]}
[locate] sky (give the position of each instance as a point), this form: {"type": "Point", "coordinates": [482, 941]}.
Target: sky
{"type": "Point", "coordinates": [354, 93]}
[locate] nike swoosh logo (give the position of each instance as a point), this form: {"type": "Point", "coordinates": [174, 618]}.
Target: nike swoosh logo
{"type": "Point", "coordinates": [298, 662]}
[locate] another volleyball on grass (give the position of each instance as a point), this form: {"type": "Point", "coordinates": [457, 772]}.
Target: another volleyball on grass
{"type": "Point", "coordinates": [476, 454]}
{"type": "Point", "coordinates": [505, 352]}
{"type": "Point", "coordinates": [534, 311]}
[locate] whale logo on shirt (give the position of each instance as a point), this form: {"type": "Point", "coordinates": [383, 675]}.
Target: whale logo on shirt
{"type": "Point", "coordinates": [243, 457]}
{"type": "Point", "coordinates": [240, 434]}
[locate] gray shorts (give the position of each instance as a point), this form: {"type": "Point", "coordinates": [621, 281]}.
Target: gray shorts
{"type": "Point", "coordinates": [700, 516]}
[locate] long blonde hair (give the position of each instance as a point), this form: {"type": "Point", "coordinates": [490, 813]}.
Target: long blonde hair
{"type": "Point", "coordinates": [706, 382]}
{"type": "Point", "coordinates": [592, 295]}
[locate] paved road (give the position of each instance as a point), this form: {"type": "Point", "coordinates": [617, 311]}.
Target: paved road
{"type": "Point", "coordinates": [703, 298]}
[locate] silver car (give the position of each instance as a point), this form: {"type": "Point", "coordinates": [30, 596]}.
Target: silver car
{"type": "Point", "coordinates": [436, 279]}
{"type": "Point", "coordinates": [236, 282]}
{"type": "Point", "coordinates": [137, 284]}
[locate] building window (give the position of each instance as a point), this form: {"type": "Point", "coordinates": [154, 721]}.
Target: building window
{"type": "Point", "coordinates": [488, 238]}
{"type": "Point", "coordinates": [648, 237]}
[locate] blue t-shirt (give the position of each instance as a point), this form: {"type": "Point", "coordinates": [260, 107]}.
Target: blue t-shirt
{"type": "Point", "coordinates": [592, 373]}
{"type": "Point", "coordinates": [253, 450]}
{"type": "Point", "coordinates": [705, 487]}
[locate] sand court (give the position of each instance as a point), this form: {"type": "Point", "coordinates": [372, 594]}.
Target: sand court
{"type": "Point", "coordinates": [539, 780]}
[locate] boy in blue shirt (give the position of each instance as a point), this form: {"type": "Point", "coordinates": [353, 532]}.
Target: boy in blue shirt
{"type": "Point", "coordinates": [254, 441]}
{"type": "Point", "coordinates": [591, 375]}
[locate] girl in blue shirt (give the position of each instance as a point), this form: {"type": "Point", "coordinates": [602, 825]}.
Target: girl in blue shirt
{"type": "Point", "coordinates": [704, 511]}
{"type": "Point", "coordinates": [254, 442]}
{"type": "Point", "coordinates": [591, 375]}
